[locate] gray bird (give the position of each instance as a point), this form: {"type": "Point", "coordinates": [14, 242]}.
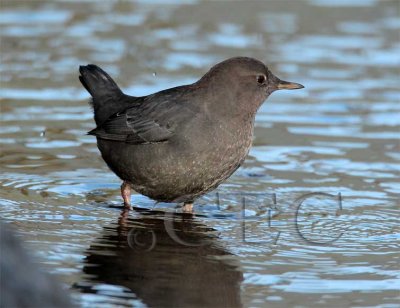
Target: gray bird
{"type": "Point", "coordinates": [178, 144]}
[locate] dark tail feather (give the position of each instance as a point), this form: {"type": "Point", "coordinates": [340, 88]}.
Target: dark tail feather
{"type": "Point", "coordinates": [97, 82]}
{"type": "Point", "coordinates": [84, 84]}
{"type": "Point", "coordinates": [105, 92]}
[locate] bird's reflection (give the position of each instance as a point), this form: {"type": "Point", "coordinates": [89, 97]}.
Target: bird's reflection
{"type": "Point", "coordinates": [165, 259]}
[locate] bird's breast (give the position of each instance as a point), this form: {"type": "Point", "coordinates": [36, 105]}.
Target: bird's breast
{"type": "Point", "coordinates": [220, 147]}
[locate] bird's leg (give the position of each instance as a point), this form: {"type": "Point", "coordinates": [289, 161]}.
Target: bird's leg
{"type": "Point", "coordinates": [187, 207]}
{"type": "Point", "coordinates": [126, 194]}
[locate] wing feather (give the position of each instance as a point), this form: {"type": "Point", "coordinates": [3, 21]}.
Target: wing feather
{"type": "Point", "coordinates": [150, 120]}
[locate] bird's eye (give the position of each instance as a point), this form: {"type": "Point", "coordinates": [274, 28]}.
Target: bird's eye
{"type": "Point", "coordinates": [261, 79]}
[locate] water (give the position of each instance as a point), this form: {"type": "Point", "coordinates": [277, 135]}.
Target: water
{"type": "Point", "coordinates": [321, 221]}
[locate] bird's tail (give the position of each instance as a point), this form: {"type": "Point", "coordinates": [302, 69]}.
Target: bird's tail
{"type": "Point", "coordinates": [102, 88]}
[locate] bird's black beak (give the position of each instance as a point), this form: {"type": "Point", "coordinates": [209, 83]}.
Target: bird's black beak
{"type": "Point", "coordinates": [286, 85]}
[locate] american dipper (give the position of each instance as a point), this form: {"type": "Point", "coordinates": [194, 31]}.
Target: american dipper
{"type": "Point", "coordinates": [177, 144]}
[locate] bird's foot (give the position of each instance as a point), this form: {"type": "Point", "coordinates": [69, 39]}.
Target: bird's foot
{"type": "Point", "coordinates": [123, 217]}
{"type": "Point", "coordinates": [187, 208]}
{"type": "Point", "coordinates": [127, 206]}
{"type": "Point", "coordinates": [126, 194]}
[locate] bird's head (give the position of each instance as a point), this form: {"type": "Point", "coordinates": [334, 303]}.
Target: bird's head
{"type": "Point", "coordinates": [244, 83]}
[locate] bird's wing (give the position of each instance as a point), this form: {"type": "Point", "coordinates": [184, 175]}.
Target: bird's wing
{"type": "Point", "coordinates": [152, 119]}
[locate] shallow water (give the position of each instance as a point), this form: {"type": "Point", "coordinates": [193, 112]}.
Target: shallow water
{"type": "Point", "coordinates": [319, 225]}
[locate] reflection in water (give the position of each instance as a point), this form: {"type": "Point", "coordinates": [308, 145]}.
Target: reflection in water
{"type": "Point", "coordinates": [165, 260]}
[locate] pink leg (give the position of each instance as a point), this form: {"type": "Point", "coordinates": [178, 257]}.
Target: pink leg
{"type": "Point", "coordinates": [187, 208]}
{"type": "Point", "coordinates": [126, 194]}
